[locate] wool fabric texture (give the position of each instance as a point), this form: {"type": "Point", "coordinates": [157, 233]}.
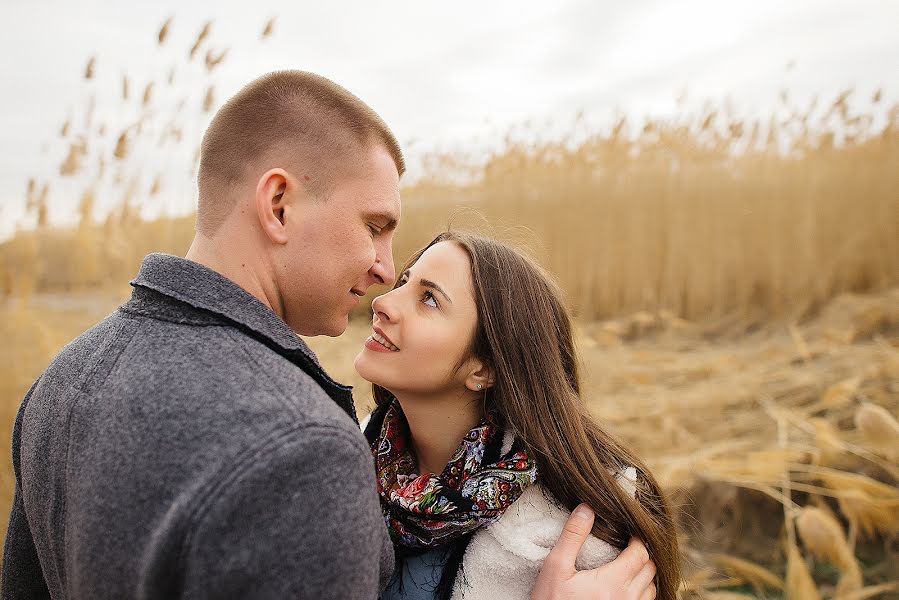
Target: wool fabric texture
{"type": "Point", "coordinates": [191, 446]}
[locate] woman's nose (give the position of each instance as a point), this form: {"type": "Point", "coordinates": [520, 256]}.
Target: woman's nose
{"type": "Point", "coordinates": [382, 306]}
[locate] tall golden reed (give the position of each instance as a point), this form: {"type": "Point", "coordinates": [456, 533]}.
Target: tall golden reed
{"type": "Point", "coordinates": [664, 220]}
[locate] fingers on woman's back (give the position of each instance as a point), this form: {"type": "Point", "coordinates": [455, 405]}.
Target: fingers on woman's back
{"type": "Point", "coordinates": [633, 558]}
{"type": "Point", "coordinates": [628, 577]}
{"type": "Point", "coordinates": [564, 554]}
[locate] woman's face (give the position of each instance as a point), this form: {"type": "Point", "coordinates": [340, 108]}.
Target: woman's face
{"type": "Point", "coordinates": [423, 328]}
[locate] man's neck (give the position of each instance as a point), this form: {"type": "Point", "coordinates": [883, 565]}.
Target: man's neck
{"type": "Point", "coordinates": [437, 426]}
{"type": "Point", "coordinates": [242, 270]}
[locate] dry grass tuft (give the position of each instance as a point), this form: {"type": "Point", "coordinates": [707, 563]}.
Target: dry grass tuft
{"type": "Point", "coordinates": [164, 30]}
{"type": "Point", "coordinates": [86, 206]}
{"type": "Point", "coordinates": [201, 37]}
{"type": "Point", "coordinates": [873, 591]}
{"type": "Point", "coordinates": [148, 94]}
{"type": "Point", "coordinates": [757, 575]}
{"type": "Point", "coordinates": [209, 99]}
{"type": "Point", "coordinates": [871, 506]}
{"type": "Point", "coordinates": [156, 186]}
{"type": "Point", "coordinates": [799, 583]}
{"type": "Point", "coordinates": [213, 60]}
{"type": "Point", "coordinates": [869, 515]}
{"type": "Point", "coordinates": [879, 429]}
{"type": "Point", "coordinates": [823, 537]}
{"type": "Point", "coordinates": [75, 158]}
{"type": "Point", "coordinates": [828, 441]}
{"type": "Point", "coordinates": [90, 68]}
{"type": "Point", "coordinates": [268, 29]}
{"type": "Point", "coordinates": [840, 394]}
{"type": "Point", "coordinates": [122, 146]}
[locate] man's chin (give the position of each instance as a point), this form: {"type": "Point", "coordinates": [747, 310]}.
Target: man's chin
{"type": "Point", "coordinates": [336, 328]}
{"type": "Point", "coordinates": [333, 328]}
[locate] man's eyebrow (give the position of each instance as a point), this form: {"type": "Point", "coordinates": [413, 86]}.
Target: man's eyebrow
{"type": "Point", "coordinates": [428, 284]}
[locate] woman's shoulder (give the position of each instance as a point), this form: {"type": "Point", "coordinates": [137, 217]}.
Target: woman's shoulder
{"type": "Point", "coordinates": [531, 526]}
{"type": "Point", "coordinates": [503, 559]}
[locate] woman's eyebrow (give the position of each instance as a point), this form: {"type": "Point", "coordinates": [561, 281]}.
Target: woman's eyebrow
{"type": "Point", "coordinates": [428, 284]}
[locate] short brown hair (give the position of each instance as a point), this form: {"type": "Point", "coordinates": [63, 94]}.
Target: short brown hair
{"type": "Point", "coordinates": [304, 116]}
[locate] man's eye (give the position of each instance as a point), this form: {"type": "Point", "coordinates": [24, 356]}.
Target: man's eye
{"type": "Point", "coordinates": [374, 229]}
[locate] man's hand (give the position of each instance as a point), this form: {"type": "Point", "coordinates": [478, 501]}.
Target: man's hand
{"type": "Point", "coordinates": [628, 577]}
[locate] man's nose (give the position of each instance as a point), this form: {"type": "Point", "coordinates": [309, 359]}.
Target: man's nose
{"type": "Point", "coordinates": [383, 269]}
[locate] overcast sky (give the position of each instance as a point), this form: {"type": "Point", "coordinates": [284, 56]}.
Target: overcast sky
{"type": "Point", "coordinates": [443, 75]}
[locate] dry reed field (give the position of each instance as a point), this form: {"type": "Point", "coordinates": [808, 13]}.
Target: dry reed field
{"type": "Point", "coordinates": [735, 284]}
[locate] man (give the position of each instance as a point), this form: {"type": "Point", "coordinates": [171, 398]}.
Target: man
{"type": "Point", "coordinates": [190, 445]}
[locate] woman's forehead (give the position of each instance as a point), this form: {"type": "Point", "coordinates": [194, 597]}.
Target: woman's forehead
{"type": "Point", "coordinates": [448, 265]}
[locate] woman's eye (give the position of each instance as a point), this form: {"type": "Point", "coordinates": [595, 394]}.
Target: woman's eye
{"type": "Point", "coordinates": [374, 229]}
{"type": "Point", "coordinates": [429, 299]}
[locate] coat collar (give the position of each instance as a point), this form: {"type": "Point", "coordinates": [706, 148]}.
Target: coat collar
{"type": "Point", "coordinates": [175, 288]}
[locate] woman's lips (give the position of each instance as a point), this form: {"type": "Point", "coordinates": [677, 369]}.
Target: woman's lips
{"type": "Point", "coordinates": [380, 336]}
{"type": "Point", "coordinates": [376, 346]}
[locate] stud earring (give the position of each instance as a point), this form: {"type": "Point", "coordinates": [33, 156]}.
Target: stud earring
{"type": "Point", "coordinates": [480, 386]}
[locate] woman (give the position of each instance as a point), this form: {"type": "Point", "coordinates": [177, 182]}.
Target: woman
{"type": "Point", "coordinates": [481, 440]}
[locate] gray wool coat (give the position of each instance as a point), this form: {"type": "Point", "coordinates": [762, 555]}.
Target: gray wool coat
{"type": "Point", "coordinates": [190, 446]}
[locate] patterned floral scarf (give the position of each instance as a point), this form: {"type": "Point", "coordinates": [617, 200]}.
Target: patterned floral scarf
{"type": "Point", "coordinates": [475, 487]}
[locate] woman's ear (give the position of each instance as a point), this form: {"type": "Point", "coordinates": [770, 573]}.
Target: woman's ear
{"type": "Point", "coordinates": [270, 192]}
{"type": "Point", "coordinates": [480, 377]}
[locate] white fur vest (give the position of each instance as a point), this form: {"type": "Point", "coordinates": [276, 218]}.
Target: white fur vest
{"type": "Point", "coordinates": [504, 558]}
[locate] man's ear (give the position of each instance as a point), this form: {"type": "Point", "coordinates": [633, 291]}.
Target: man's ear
{"type": "Point", "coordinates": [480, 376]}
{"type": "Point", "coordinates": [271, 190]}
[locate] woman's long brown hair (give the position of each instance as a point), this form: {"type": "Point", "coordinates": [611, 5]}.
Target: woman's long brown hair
{"type": "Point", "coordinates": [524, 333]}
